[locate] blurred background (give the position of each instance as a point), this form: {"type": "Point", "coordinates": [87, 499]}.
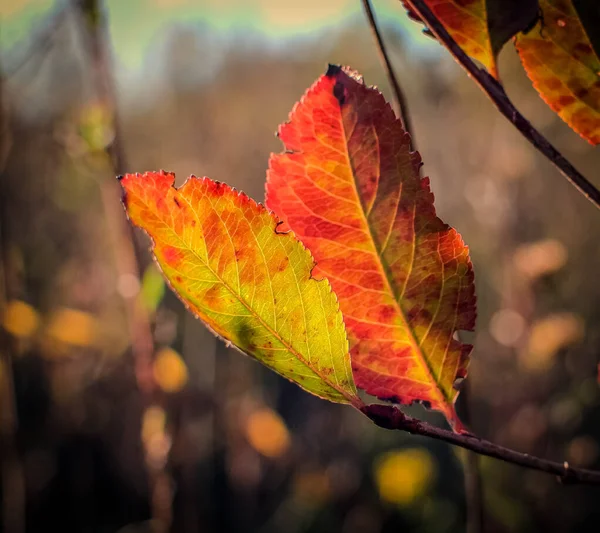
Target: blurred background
{"type": "Point", "coordinates": [120, 412]}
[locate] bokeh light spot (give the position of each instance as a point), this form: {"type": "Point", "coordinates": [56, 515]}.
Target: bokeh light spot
{"type": "Point", "coordinates": [402, 476]}
{"type": "Point", "coordinates": [267, 433]}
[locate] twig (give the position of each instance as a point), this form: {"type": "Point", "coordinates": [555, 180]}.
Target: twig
{"type": "Point", "coordinates": [472, 473]}
{"type": "Point", "coordinates": [399, 103]}
{"type": "Point", "coordinates": [499, 98]}
{"type": "Point", "coordinates": [387, 416]}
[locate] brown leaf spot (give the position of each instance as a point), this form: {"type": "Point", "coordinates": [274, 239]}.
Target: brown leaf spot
{"type": "Point", "coordinates": [565, 101]}
{"type": "Point", "coordinates": [581, 92]}
{"type": "Point", "coordinates": [553, 84]}
{"type": "Point", "coordinates": [582, 49]}
{"type": "Point", "coordinates": [213, 298]}
{"type": "Point", "coordinates": [386, 313]}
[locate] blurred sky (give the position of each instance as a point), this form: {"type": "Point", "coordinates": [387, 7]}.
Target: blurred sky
{"type": "Point", "coordinates": [138, 26]}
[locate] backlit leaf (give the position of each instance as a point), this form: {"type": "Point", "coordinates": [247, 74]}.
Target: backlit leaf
{"type": "Point", "coordinates": [563, 66]}
{"type": "Point", "coordinates": [252, 285]}
{"type": "Point", "coordinates": [349, 187]}
{"type": "Point", "coordinates": [482, 27]}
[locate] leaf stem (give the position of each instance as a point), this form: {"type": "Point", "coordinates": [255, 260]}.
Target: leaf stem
{"type": "Point", "coordinates": [399, 102]}
{"type": "Point", "coordinates": [499, 98]}
{"type": "Point", "coordinates": [389, 417]}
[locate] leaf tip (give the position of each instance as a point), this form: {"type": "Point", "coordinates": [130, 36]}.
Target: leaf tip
{"type": "Point", "coordinates": [333, 70]}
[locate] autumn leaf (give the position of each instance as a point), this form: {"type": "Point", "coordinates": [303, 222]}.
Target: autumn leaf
{"type": "Point", "coordinates": [482, 27]}
{"type": "Point", "coordinates": [252, 285]}
{"type": "Point", "coordinates": [564, 68]}
{"type": "Point", "coordinates": [349, 187]}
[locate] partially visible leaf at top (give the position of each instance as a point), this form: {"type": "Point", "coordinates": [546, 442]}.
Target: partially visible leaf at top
{"type": "Point", "coordinates": [349, 187]}
{"type": "Point", "coordinates": [588, 12]}
{"type": "Point", "coordinates": [221, 254]}
{"type": "Point", "coordinates": [482, 27]}
{"type": "Point", "coordinates": [564, 67]}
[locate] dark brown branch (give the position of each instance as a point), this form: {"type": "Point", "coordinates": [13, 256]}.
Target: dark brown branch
{"type": "Point", "coordinates": [472, 473]}
{"type": "Point", "coordinates": [399, 103]}
{"type": "Point", "coordinates": [499, 98]}
{"type": "Point", "coordinates": [387, 416]}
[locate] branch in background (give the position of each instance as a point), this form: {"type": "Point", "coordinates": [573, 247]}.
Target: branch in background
{"type": "Point", "coordinates": [12, 475]}
{"type": "Point", "coordinates": [12, 478]}
{"type": "Point", "coordinates": [499, 98]}
{"type": "Point", "coordinates": [92, 19]}
{"type": "Point", "coordinates": [399, 103]}
{"type": "Point", "coordinates": [389, 417]}
{"type": "Point", "coordinates": [94, 33]}
{"type": "Point", "coordinates": [472, 473]}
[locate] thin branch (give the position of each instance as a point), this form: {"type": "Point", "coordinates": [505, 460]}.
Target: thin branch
{"type": "Point", "coordinates": [388, 417]}
{"type": "Point", "coordinates": [499, 98]}
{"type": "Point", "coordinates": [399, 103]}
{"type": "Point", "coordinates": [473, 493]}
{"type": "Point", "coordinates": [472, 473]}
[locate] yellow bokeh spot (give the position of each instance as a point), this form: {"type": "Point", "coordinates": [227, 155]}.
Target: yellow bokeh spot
{"type": "Point", "coordinates": [402, 476]}
{"type": "Point", "coordinates": [170, 371]}
{"type": "Point", "coordinates": [153, 423]}
{"type": "Point", "coordinates": [155, 437]}
{"type": "Point", "coordinates": [72, 327]}
{"type": "Point", "coordinates": [20, 319]}
{"type": "Point", "coordinates": [267, 433]}
{"type": "Point", "coordinates": [95, 126]}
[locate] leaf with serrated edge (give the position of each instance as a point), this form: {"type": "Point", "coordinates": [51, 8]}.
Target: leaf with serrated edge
{"type": "Point", "coordinates": [564, 68]}
{"type": "Point", "coordinates": [349, 187]}
{"type": "Point", "coordinates": [222, 255]}
{"type": "Point", "coordinates": [482, 27]}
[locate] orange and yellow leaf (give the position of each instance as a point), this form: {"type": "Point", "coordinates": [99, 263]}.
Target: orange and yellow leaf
{"type": "Point", "coordinates": [563, 66]}
{"type": "Point", "coordinates": [220, 252]}
{"type": "Point", "coordinates": [482, 27]}
{"type": "Point", "coordinates": [466, 22]}
{"type": "Point", "coordinates": [349, 187]}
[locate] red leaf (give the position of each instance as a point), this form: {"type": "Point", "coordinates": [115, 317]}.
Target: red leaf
{"type": "Point", "coordinates": [349, 187]}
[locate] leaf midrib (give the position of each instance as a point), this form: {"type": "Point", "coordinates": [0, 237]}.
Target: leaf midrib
{"type": "Point", "coordinates": [416, 347]}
